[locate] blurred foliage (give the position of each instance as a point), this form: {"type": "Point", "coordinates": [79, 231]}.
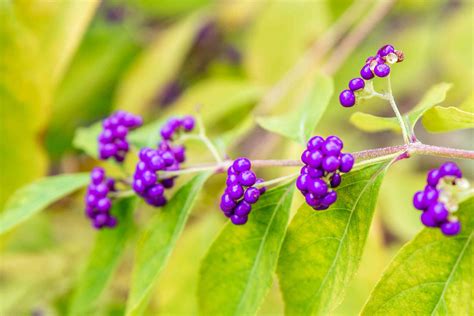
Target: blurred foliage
{"type": "Point", "coordinates": [66, 64]}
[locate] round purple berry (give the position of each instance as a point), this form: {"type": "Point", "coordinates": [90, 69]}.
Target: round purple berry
{"type": "Point", "coordinates": [315, 143]}
{"type": "Point", "coordinates": [347, 98]}
{"type": "Point", "coordinates": [356, 84]}
{"type": "Point", "coordinates": [385, 50]}
{"type": "Point", "coordinates": [156, 190]}
{"type": "Point", "coordinates": [318, 187]}
{"type": "Point", "coordinates": [366, 73]}
{"type": "Point", "coordinates": [428, 219]}
{"type": "Point", "coordinates": [238, 220]}
{"type": "Point", "coordinates": [331, 148]}
{"type": "Point", "coordinates": [418, 201]}
{"type": "Point", "coordinates": [347, 162]}
{"type": "Point", "coordinates": [302, 182]}
{"type": "Point", "coordinates": [329, 198]}
{"type": "Point", "coordinates": [315, 173]}
{"type": "Point", "coordinates": [382, 70]}
{"type": "Point", "coordinates": [232, 179]}
{"type": "Point", "coordinates": [167, 132]}
{"type": "Point", "coordinates": [241, 164]}
{"type": "Point", "coordinates": [335, 180]}
{"type": "Point", "coordinates": [430, 195]}
{"type": "Point", "coordinates": [188, 123]}
{"type": "Point", "coordinates": [97, 175]}
{"type": "Point", "coordinates": [262, 189]}
{"type": "Point", "coordinates": [451, 228]}
{"type": "Point", "coordinates": [227, 203]}
{"type": "Point", "coordinates": [433, 177]}
{"type": "Point", "coordinates": [168, 183]}
{"type": "Point", "coordinates": [251, 195]}
{"type": "Point", "coordinates": [243, 209]}
{"type": "Point", "coordinates": [330, 163]}
{"type": "Point", "coordinates": [450, 169]}
{"type": "Point", "coordinates": [314, 159]}
{"type": "Point", "coordinates": [235, 191]}
{"type": "Point", "coordinates": [311, 199]}
{"type": "Point", "coordinates": [103, 205]}
{"type": "Point", "coordinates": [438, 211]}
{"type": "Point", "coordinates": [247, 178]}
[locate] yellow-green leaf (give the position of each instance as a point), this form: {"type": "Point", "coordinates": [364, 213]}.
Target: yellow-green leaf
{"type": "Point", "coordinates": [238, 270]}
{"type": "Point", "coordinates": [157, 242]}
{"type": "Point", "coordinates": [371, 123]}
{"type": "Point", "coordinates": [34, 197]}
{"type": "Point", "coordinates": [322, 249]}
{"type": "Point", "coordinates": [445, 119]}
{"type": "Point", "coordinates": [300, 123]}
{"type": "Point", "coordinates": [431, 275]}
{"type": "Point", "coordinates": [103, 259]}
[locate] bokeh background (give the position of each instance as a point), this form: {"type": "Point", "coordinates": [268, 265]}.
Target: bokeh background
{"type": "Point", "coordinates": [67, 64]}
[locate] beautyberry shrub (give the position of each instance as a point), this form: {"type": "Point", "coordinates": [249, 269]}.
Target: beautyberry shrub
{"type": "Point", "coordinates": [98, 203]}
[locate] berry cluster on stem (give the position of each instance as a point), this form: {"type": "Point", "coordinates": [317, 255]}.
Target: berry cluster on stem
{"type": "Point", "coordinates": [98, 203]}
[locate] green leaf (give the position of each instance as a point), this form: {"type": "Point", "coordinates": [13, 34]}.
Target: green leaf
{"type": "Point", "coordinates": [373, 123]}
{"type": "Point", "coordinates": [299, 124]}
{"type": "Point", "coordinates": [322, 249]}
{"type": "Point", "coordinates": [36, 196]}
{"type": "Point", "coordinates": [238, 270]}
{"type": "Point", "coordinates": [446, 119]}
{"type": "Point", "coordinates": [37, 42]}
{"type": "Point", "coordinates": [103, 260]}
{"type": "Point", "coordinates": [158, 64]}
{"type": "Point", "coordinates": [431, 275]}
{"type": "Point", "coordinates": [85, 139]}
{"type": "Point", "coordinates": [157, 242]}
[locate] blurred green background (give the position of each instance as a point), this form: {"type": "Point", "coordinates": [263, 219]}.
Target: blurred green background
{"type": "Point", "coordinates": [67, 64]}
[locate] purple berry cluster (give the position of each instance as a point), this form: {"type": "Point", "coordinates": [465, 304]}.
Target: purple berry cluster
{"type": "Point", "coordinates": [97, 203]}
{"type": "Point", "coordinates": [374, 66]}
{"type": "Point", "coordinates": [165, 158]}
{"type": "Point", "coordinates": [113, 138]}
{"type": "Point", "coordinates": [240, 193]}
{"type": "Point", "coordinates": [174, 126]}
{"type": "Point", "coordinates": [323, 163]}
{"type": "Point", "coordinates": [438, 200]}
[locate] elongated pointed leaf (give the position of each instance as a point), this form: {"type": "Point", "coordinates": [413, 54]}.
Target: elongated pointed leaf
{"type": "Point", "coordinates": [322, 249]}
{"type": "Point", "coordinates": [237, 271]}
{"type": "Point", "coordinates": [431, 275]}
{"type": "Point", "coordinates": [157, 242]}
{"type": "Point", "coordinates": [103, 259]}
{"type": "Point", "coordinates": [299, 124]}
{"type": "Point", "coordinates": [373, 123]}
{"type": "Point", "coordinates": [34, 197]}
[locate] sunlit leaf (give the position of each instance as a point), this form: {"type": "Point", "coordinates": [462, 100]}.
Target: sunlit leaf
{"type": "Point", "coordinates": [38, 39]}
{"type": "Point", "coordinates": [372, 123]}
{"type": "Point", "coordinates": [300, 123]}
{"type": "Point", "coordinates": [432, 274]}
{"type": "Point", "coordinates": [238, 270]}
{"type": "Point", "coordinates": [158, 64]}
{"type": "Point", "coordinates": [445, 119]}
{"type": "Point", "coordinates": [157, 242]}
{"type": "Point", "coordinates": [36, 196]}
{"type": "Point", "coordinates": [103, 259]}
{"type": "Point", "coordinates": [322, 249]}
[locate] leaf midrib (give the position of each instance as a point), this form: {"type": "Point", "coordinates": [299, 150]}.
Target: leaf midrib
{"type": "Point", "coordinates": [242, 296]}
{"type": "Point", "coordinates": [369, 182]}
{"type": "Point", "coordinates": [458, 260]}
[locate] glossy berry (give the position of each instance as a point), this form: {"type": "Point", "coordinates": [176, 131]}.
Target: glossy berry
{"type": "Point", "coordinates": [98, 204]}
{"type": "Point", "coordinates": [347, 98]}
{"type": "Point", "coordinates": [356, 84]}
{"type": "Point", "coordinates": [240, 193]}
{"type": "Point", "coordinates": [382, 70]}
{"type": "Point", "coordinates": [440, 197]}
{"type": "Point", "coordinates": [385, 50]}
{"type": "Point", "coordinates": [321, 173]}
{"type": "Point", "coordinates": [366, 72]}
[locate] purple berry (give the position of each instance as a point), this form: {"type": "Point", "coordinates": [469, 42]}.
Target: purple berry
{"type": "Point", "coordinates": [311, 199]}
{"type": "Point", "coordinates": [318, 187]}
{"type": "Point", "coordinates": [138, 186]}
{"type": "Point", "coordinates": [262, 189]}
{"type": "Point", "coordinates": [385, 50]}
{"type": "Point", "coordinates": [430, 195]}
{"type": "Point", "coordinates": [251, 195]}
{"type": "Point", "coordinates": [331, 148]}
{"type": "Point", "coordinates": [347, 162]}
{"type": "Point", "coordinates": [315, 173]}
{"type": "Point", "coordinates": [433, 177]}
{"type": "Point", "coordinates": [238, 220]}
{"type": "Point", "coordinates": [451, 228]}
{"type": "Point", "coordinates": [156, 190]}
{"type": "Point", "coordinates": [167, 183]}
{"type": "Point", "coordinates": [241, 164]}
{"type": "Point", "coordinates": [329, 198]}
{"type": "Point", "coordinates": [366, 73]}
{"type": "Point", "coordinates": [335, 139]}
{"type": "Point", "coordinates": [450, 169]}
{"type": "Point", "coordinates": [232, 179]}
{"type": "Point", "coordinates": [156, 163]}
{"type": "Point", "coordinates": [314, 159]}
{"type": "Point", "coordinates": [335, 180]}
{"type": "Point", "coordinates": [148, 178]}
{"type": "Point", "coordinates": [108, 150]}
{"type": "Point", "coordinates": [418, 201]}
{"type": "Point", "coordinates": [120, 131]}
{"type": "Point", "coordinates": [305, 156]}
{"type": "Point", "coordinates": [97, 175]}
{"type": "Point", "coordinates": [188, 123]}
{"type": "Point", "coordinates": [347, 98]}
{"type": "Point", "coordinates": [227, 201]}
{"type": "Point", "coordinates": [179, 153]}
{"type": "Point", "coordinates": [330, 163]}
{"type": "Point", "coordinates": [167, 132]}
{"type": "Point", "coordinates": [100, 190]}
{"type": "Point", "coordinates": [428, 219]}
{"type": "Point", "coordinates": [315, 143]}
{"type": "Point", "coordinates": [382, 70]}
{"type": "Point", "coordinates": [235, 191]}
{"type": "Point", "coordinates": [91, 200]}
{"type": "Point", "coordinates": [247, 178]}
{"type": "Point", "coordinates": [243, 209]}
{"type": "Point", "coordinates": [111, 222]}
{"type": "Point", "coordinates": [438, 211]}
{"type": "Point", "coordinates": [104, 205]}
{"type": "Point", "coordinates": [231, 170]}
{"type": "Point", "coordinates": [356, 84]}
